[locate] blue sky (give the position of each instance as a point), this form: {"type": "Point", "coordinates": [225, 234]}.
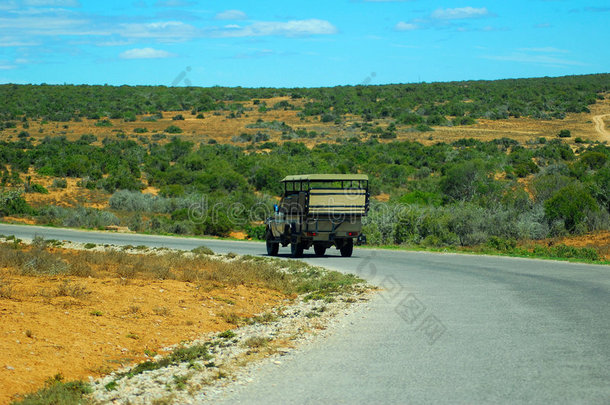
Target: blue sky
{"type": "Point", "coordinates": [298, 44]}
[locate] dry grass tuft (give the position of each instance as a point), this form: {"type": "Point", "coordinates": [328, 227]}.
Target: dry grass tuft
{"type": "Point", "coordinates": [232, 318]}
{"type": "Point", "coordinates": [6, 288]}
{"type": "Point", "coordinates": [209, 272]}
{"type": "Point", "coordinates": [67, 289]}
{"type": "Point", "coordinates": [256, 342]}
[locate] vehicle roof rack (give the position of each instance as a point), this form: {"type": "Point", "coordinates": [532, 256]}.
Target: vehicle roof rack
{"type": "Point", "coordinates": [325, 177]}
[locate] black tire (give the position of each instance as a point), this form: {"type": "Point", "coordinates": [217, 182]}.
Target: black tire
{"type": "Point", "coordinates": [320, 250]}
{"type": "Point", "coordinates": [296, 249]}
{"type": "Point", "coordinates": [272, 247]}
{"type": "Point", "coordinates": [347, 248]}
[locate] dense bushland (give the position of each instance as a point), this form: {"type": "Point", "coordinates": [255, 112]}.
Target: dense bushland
{"type": "Point", "coordinates": [462, 193]}
{"type": "Point", "coordinates": [422, 103]}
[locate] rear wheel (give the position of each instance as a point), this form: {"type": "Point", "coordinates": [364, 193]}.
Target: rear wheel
{"type": "Point", "coordinates": [347, 248]}
{"type": "Point", "coordinates": [272, 247]}
{"type": "Point", "coordinates": [296, 249]}
{"type": "Point", "coordinates": [319, 249]}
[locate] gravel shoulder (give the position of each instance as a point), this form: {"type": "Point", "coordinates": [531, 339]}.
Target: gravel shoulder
{"type": "Point", "coordinates": [234, 357]}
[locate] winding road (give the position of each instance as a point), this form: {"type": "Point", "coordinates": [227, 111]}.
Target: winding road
{"type": "Point", "coordinates": [446, 328]}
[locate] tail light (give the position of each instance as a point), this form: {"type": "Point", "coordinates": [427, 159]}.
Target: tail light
{"type": "Point", "coordinates": [311, 233]}
{"type": "Point", "coordinates": [352, 234]}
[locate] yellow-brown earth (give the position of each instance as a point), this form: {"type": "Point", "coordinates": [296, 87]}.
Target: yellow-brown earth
{"type": "Point", "coordinates": [89, 326]}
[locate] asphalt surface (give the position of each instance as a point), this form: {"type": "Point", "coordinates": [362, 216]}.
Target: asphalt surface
{"type": "Point", "coordinates": [455, 329]}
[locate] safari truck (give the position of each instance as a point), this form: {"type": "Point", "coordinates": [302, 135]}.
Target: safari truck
{"type": "Point", "coordinates": [319, 210]}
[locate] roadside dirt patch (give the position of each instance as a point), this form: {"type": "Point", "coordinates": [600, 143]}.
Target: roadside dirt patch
{"type": "Point", "coordinates": [82, 327]}
{"type": "Point", "coordinates": [600, 241]}
{"type": "Point", "coordinates": [71, 196]}
{"type": "Point", "coordinates": [238, 235]}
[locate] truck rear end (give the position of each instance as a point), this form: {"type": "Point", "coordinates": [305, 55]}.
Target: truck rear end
{"type": "Point", "coordinates": [321, 210]}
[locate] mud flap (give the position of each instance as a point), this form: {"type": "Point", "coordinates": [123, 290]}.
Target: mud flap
{"type": "Point", "coordinates": [361, 240]}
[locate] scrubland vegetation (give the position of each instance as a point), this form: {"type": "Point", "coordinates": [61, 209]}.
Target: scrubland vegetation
{"type": "Point", "coordinates": [441, 195]}
{"type": "Point", "coordinates": [463, 193]}
{"type": "Point", "coordinates": [428, 103]}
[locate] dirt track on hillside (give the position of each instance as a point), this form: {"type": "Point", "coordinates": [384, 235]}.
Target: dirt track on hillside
{"type": "Point", "coordinates": [600, 126]}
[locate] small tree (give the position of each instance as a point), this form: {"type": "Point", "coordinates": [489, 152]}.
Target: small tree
{"type": "Point", "coordinates": [570, 204]}
{"type": "Point", "coordinates": [564, 133]}
{"type": "Point", "coordinates": [12, 202]}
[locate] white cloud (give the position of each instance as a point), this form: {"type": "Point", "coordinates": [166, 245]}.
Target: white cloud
{"type": "Point", "coordinates": [9, 41]}
{"type": "Point", "coordinates": [231, 15]}
{"type": "Point", "coordinates": [403, 26]}
{"type": "Point", "coordinates": [448, 18]}
{"type": "Point", "coordinates": [166, 31]}
{"type": "Point", "coordinates": [294, 28]}
{"type": "Point", "coordinates": [459, 13]}
{"type": "Point", "coordinates": [173, 3]}
{"type": "Point", "coordinates": [548, 49]}
{"type": "Point", "coordinates": [52, 3]}
{"type": "Point", "coordinates": [546, 60]}
{"type": "Point", "coordinates": [45, 25]}
{"type": "Point", "coordinates": [145, 53]}
{"type": "Point", "coordinates": [114, 43]}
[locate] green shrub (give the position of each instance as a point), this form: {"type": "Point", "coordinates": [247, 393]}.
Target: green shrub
{"type": "Point", "coordinates": [423, 128]}
{"type": "Point", "coordinates": [172, 129]}
{"type": "Point", "coordinates": [228, 334]}
{"type": "Point", "coordinates": [38, 188]}
{"type": "Point", "coordinates": [256, 232]}
{"type": "Point", "coordinates": [421, 198]}
{"type": "Point", "coordinates": [564, 133]}
{"type": "Point", "coordinates": [103, 123]}
{"type": "Point", "coordinates": [13, 203]}
{"type": "Point", "coordinates": [467, 120]}
{"type": "Point", "coordinates": [60, 183]}
{"type": "Point", "coordinates": [79, 217]}
{"type": "Point", "coordinates": [571, 205]}
{"type": "Point", "coordinates": [202, 250]}
{"type": "Point", "coordinates": [501, 244]}
{"type": "Point", "coordinates": [87, 139]}
{"type": "Point", "coordinates": [58, 392]}
{"type": "Point", "coordinates": [569, 252]}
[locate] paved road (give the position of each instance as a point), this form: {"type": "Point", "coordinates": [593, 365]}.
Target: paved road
{"type": "Point", "coordinates": [453, 329]}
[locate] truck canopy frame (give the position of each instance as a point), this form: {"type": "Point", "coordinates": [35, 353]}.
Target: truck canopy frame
{"type": "Point", "coordinates": [327, 194]}
{"type": "Point", "coordinates": [306, 182]}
